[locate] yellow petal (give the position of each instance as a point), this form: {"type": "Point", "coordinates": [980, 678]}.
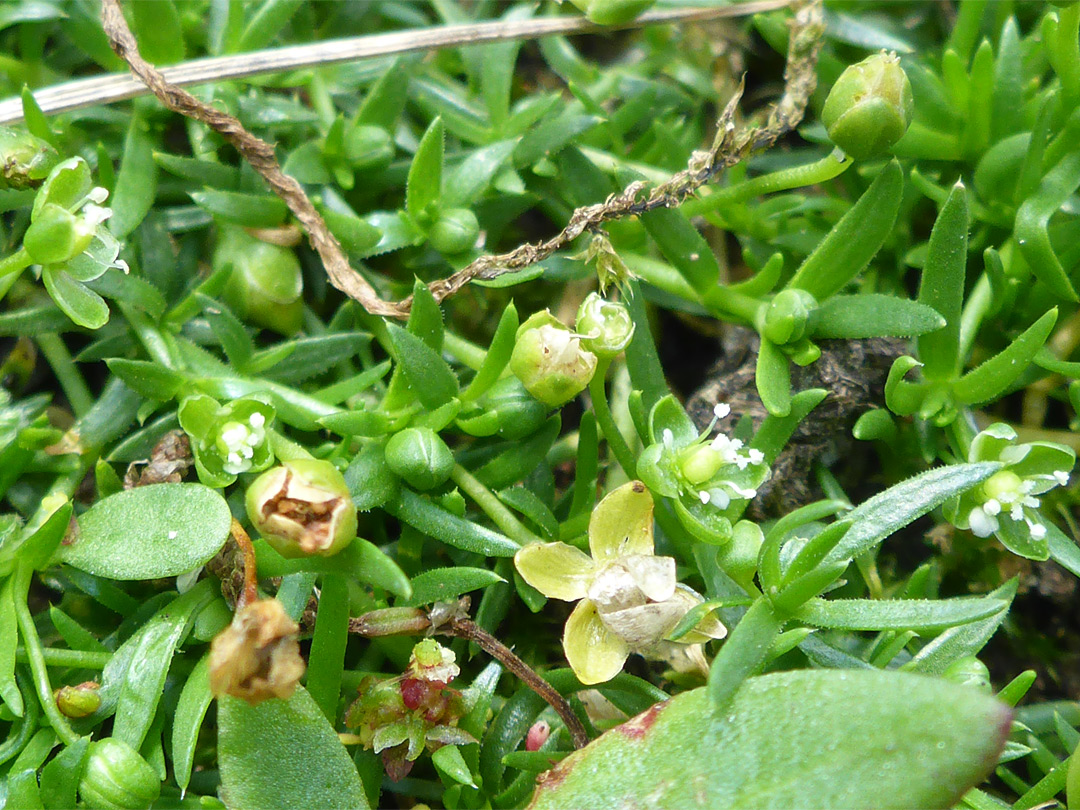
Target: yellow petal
{"type": "Point", "coordinates": [622, 523]}
{"type": "Point", "coordinates": [594, 652]}
{"type": "Point", "coordinates": [557, 570]}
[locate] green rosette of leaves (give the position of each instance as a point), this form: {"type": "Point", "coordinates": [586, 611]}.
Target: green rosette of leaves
{"type": "Point", "coordinates": [1006, 505]}
{"type": "Point", "coordinates": [229, 439]}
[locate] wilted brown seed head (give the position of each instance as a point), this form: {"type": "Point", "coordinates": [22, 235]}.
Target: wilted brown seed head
{"type": "Point", "coordinates": [257, 656]}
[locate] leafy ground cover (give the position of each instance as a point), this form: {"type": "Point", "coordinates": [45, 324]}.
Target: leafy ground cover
{"type": "Point", "coordinates": [669, 410]}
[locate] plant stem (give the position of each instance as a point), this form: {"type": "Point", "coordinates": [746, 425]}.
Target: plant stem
{"type": "Point", "coordinates": [606, 422]}
{"type": "Point", "coordinates": [36, 658]}
{"type": "Point", "coordinates": [22, 729]}
{"type": "Point", "coordinates": [491, 506]}
{"type": "Point", "coordinates": [251, 578]}
{"type": "Point", "coordinates": [810, 174]}
{"type": "Point", "coordinates": [470, 631]}
{"type": "Point", "coordinates": [75, 659]}
{"type": "Point", "coordinates": [63, 366]}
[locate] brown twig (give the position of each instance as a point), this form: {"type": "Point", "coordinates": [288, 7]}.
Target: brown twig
{"type": "Point", "coordinates": [251, 576]}
{"type": "Point", "coordinates": [729, 148]}
{"type": "Point", "coordinates": [471, 631]}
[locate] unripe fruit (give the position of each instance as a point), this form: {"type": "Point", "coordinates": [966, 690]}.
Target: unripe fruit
{"type": "Point", "coordinates": [787, 316]}
{"type": "Point", "coordinates": [550, 361]}
{"type": "Point", "coordinates": [117, 778]}
{"type": "Point", "coordinates": [420, 457]}
{"type": "Point", "coordinates": [25, 160]}
{"type": "Point", "coordinates": [605, 326]}
{"type": "Point", "coordinates": [265, 285]}
{"type": "Point", "coordinates": [969, 671]}
{"type": "Point", "coordinates": [870, 107]}
{"type": "Point", "coordinates": [454, 231]}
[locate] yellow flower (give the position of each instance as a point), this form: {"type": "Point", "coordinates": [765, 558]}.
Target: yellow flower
{"type": "Point", "coordinates": [629, 599]}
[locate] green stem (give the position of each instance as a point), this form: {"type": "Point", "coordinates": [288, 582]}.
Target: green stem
{"type": "Point", "coordinates": [75, 659]}
{"type": "Point", "coordinates": [811, 174]}
{"type": "Point", "coordinates": [464, 351]}
{"type": "Point", "coordinates": [723, 301]}
{"type": "Point", "coordinates": [971, 317]}
{"type": "Point", "coordinates": [17, 261]}
{"type": "Point", "coordinates": [606, 422]}
{"type": "Point", "coordinates": [63, 366]}
{"type": "Point", "coordinates": [491, 506]}
{"type": "Point", "coordinates": [35, 656]}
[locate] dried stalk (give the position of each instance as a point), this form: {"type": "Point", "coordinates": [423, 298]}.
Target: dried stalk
{"type": "Point", "coordinates": [730, 147]}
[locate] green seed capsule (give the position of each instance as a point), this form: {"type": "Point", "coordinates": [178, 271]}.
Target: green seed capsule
{"type": "Point", "coordinates": [606, 326]}
{"type": "Point", "coordinates": [969, 671]}
{"type": "Point", "coordinates": [302, 508]}
{"type": "Point", "coordinates": [550, 361]}
{"type": "Point", "coordinates": [265, 286]}
{"type": "Point", "coordinates": [420, 457]}
{"type": "Point", "coordinates": [454, 231]}
{"type": "Point", "coordinates": [612, 12]}
{"type": "Point", "coordinates": [25, 160]}
{"type": "Point", "coordinates": [368, 148]}
{"type": "Point", "coordinates": [55, 236]}
{"type": "Point", "coordinates": [117, 778]}
{"type": "Point", "coordinates": [870, 107]}
{"type": "Point", "coordinates": [739, 558]}
{"type": "Point", "coordinates": [78, 701]}
{"type": "Point", "coordinates": [787, 316]}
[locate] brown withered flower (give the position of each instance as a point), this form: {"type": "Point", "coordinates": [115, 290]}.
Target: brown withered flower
{"type": "Point", "coordinates": [257, 657]}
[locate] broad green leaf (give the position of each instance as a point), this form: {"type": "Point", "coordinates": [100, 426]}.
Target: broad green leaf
{"type": "Point", "coordinates": [84, 306]}
{"type": "Point", "coordinates": [371, 482]}
{"type": "Point", "coordinates": [187, 719]}
{"type": "Point", "coordinates": [249, 210]}
{"type": "Point", "coordinates": [355, 234]}
{"type": "Point", "coordinates": [437, 522]}
{"type": "Point", "coordinates": [794, 739]}
{"type": "Point", "coordinates": [362, 560]}
{"type": "Point", "coordinates": [302, 358]}
{"type": "Point", "coordinates": [684, 247]}
{"type": "Point", "coordinates": [872, 315]}
{"type": "Point", "coordinates": [899, 505]}
{"type": "Point", "coordinates": [136, 182]}
{"type": "Point", "coordinates": [119, 286]}
{"type": "Point", "coordinates": [441, 584]}
{"type": "Point", "coordinates": [284, 755]}
{"type": "Point", "coordinates": [162, 530]}
{"type": "Point", "coordinates": [266, 22]}
{"type": "Point", "coordinates": [669, 415]}
{"type": "Point", "coordinates": [386, 99]}
{"type": "Point", "coordinates": [134, 679]}
{"type": "Point", "coordinates": [897, 614]}
{"type": "Point", "coordinates": [520, 458]}
{"type": "Point", "coordinates": [429, 376]}
{"type": "Point", "coordinates": [965, 639]}
{"type": "Point", "coordinates": [854, 240]}
{"type": "Point", "coordinates": [424, 184]}
{"type": "Point", "coordinates": [942, 286]}
{"type": "Point", "coordinates": [205, 172]}
{"type": "Point", "coordinates": [993, 377]}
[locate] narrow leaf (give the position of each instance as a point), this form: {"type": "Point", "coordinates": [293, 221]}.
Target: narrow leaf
{"type": "Point", "coordinates": [897, 614]}
{"type": "Point", "coordinates": [872, 315]}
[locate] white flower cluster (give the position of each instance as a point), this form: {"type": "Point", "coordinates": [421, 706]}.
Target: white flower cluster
{"type": "Point", "coordinates": [704, 461]}
{"type": "Point", "coordinates": [1008, 492]}
{"type": "Point", "coordinates": [237, 442]}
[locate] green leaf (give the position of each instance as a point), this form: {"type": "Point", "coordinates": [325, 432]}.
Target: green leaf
{"type": "Point", "coordinates": [684, 247]}
{"type": "Point", "coordinates": [435, 521]}
{"type": "Point", "coordinates": [327, 657]}
{"type": "Point", "coordinates": [84, 306]}
{"type": "Point", "coordinates": [449, 761]}
{"type": "Point", "coordinates": [136, 182]}
{"type": "Point", "coordinates": [497, 356]}
{"type": "Point", "coordinates": [119, 286]}
{"type": "Point", "coordinates": [205, 172]}
{"type": "Point", "coordinates": [1063, 549]}
{"type": "Point", "coordinates": [294, 361]}
{"type": "Point", "coordinates": [855, 239]}
{"type": "Point", "coordinates": [150, 532]}
{"type": "Point", "coordinates": [424, 184]}
{"type": "Point", "coordinates": [249, 210]}
{"type": "Point", "coordinates": [899, 505]}
{"type": "Point", "coordinates": [774, 432]}
{"type": "Point", "coordinates": [773, 378]}
{"type": "Point", "coordinates": [425, 317]}
{"type": "Point", "coordinates": [157, 28]}
{"type": "Point", "coordinates": [942, 286]}
{"type": "Point", "coordinates": [9, 640]}
{"type": "Point", "coordinates": [355, 234]}
{"type": "Point", "coordinates": [745, 650]}
{"type": "Point", "coordinates": [1031, 225]}
{"type": "Point", "coordinates": [362, 560]}
{"type": "Point", "coordinates": [134, 679]}
{"type": "Point", "coordinates": [964, 640]}
{"type": "Point", "coordinates": [897, 614]}
{"type": "Point", "coordinates": [60, 777]}
{"type": "Point", "coordinates": [510, 279]}
{"type": "Point", "coordinates": [265, 24]}
{"type": "Point", "coordinates": [440, 584]}
{"type": "Point", "coordinates": [284, 755]}
{"type": "Point", "coordinates": [227, 328]}
{"type": "Point", "coordinates": [793, 739]}
{"type": "Point", "coordinates": [429, 376]}
{"type": "Point", "coordinates": [369, 477]}
{"type": "Point", "coordinates": [993, 377]}
{"type": "Point", "coordinates": [872, 315]}
{"type": "Point", "coordinates": [187, 719]}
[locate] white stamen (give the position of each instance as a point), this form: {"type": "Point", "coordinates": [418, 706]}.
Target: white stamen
{"type": "Point", "coordinates": [98, 195]}
{"type": "Point", "coordinates": [992, 507]}
{"type": "Point", "coordinates": [1038, 531]}
{"type": "Point", "coordinates": [1061, 477]}
{"type": "Point", "coordinates": [172, 535]}
{"type": "Point", "coordinates": [982, 524]}
{"type": "Point", "coordinates": [756, 457]}
{"type": "Point", "coordinates": [721, 409]}
{"type": "Point", "coordinates": [703, 496]}
{"type": "Point", "coordinates": [256, 420]}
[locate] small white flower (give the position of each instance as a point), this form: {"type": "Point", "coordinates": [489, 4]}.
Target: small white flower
{"type": "Point", "coordinates": [756, 457]}
{"type": "Point", "coordinates": [992, 507]}
{"type": "Point", "coordinates": [94, 215]}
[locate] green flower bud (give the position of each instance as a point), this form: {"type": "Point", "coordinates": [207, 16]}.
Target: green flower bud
{"type": "Point", "coordinates": [739, 558]}
{"type": "Point", "coordinates": [227, 440]}
{"type": "Point", "coordinates": [605, 326]}
{"type": "Point", "coordinates": [303, 507]}
{"type": "Point", "coordinates": [550, 361]}
{"type": "Point", "coordinates": [368, 148]}
{"type": "Point", "coordinates": [787, 315]}
{"type": "Point", "coordinates": [55, 236]}
{"type": "Point", "coordinates": [454, 231]}
{"type": "Point", "coordinates": [870, 107]}
{"type": "Point", "coordinates": [265, 285]}
{"type": "Point", "coordinates": [117, 778]}
{"type": "Point", "coordinates": [612, 12]}
{"type": "Point", "coordinates": [420, 457]}
{"type": "Point", "coordinates": [78, 701]}
{"type": "Point", "coordinates": [25, 160]}
{"type": "Point", "coordinates": [506, 410]}
{"type": "Point", "coordinates": [969, 671]}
